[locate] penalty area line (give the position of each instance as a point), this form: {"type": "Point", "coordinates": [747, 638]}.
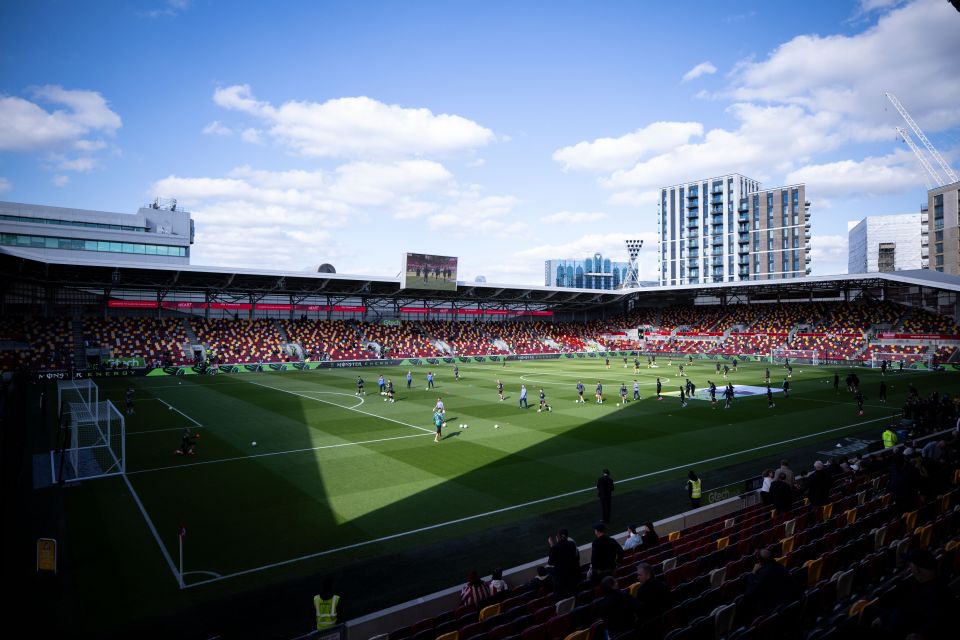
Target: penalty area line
{"type": "Point", "coordinates": [439, 525]}
{"type": "Point", "coordinates": [366, 413]}
{"type": "Point", "coordinates": [275, 453]}
{"type": "Point", "coordinates": [170, 406]}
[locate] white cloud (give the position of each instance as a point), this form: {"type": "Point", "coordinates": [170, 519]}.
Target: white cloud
{"type": "Point", "coordinates": [300, 210]}
{"type": "Point", "coordinates": [60, 181]}
{"type": "Point", "coordinates": [170, 9]}
{"type": "Point", "coordinates": [574, 217]}
{"type": "Point", "coordinates": [604, 154]}
{"type": "Point", "coordinates": [884, 175]}
{"type": "Point", "coordinates": [828, 254]}
{"type": "Point", "coordinates": [82, 165]}
{"type": "Point", "coordinates": [251, 136]}
{"type": "Point", "coordinates": [217, 129]}
{"type": "Point", "coordinates": [5, 185]}
{"type": "Point", "coordinates": [702, 69]}
{"type": "Point", "coordinates": [474, 214]}
{"type": "Point", "coordinates": [356, 126]}
{"type": "Point", "coordinates": [909, 52]}
{"type": "Point", "coordinates": [27, 126]}
{"type": "Point", "coordinates": [811, 96]}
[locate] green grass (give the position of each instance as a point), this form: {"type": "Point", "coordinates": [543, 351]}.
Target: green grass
{"type": "Point", "coordinates": [331, 470]}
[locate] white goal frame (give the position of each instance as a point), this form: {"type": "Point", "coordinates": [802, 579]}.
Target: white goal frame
{"type": "Point", "coordinates": [894, 359]}
{"type": "Point", "coordinates": [799, 356]}
{"type": "Point", "coordinates": [93, 434]}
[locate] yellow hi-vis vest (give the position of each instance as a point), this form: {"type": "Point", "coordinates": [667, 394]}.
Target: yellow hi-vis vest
{"type": "Point", "coordinates": [695, 489]}
{"type": "Point", "coordinates": [889, 439]}
{"type": "Point", "coordinates": [326, 611]}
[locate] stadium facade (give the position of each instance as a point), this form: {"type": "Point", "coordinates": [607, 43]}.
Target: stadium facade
{"type": "Point", "coordinates": [889, 243]}
{"type": "Point", "coordinates": [729, 229]}
{"type": "Point", "coordinates": [156, 234]}
{"type": "Point", "coordinates": [590, 273]}
{"type": "Point", "coordinates": [944, 203]}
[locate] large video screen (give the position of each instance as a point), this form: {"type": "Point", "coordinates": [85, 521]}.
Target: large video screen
{"type": "Point", "coordinates": [423, 271]}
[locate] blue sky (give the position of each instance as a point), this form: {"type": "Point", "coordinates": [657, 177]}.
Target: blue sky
{"type": "Point", "coordinates": [503, 133]}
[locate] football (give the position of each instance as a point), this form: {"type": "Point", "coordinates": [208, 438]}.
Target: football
{"type": "Point", "coordinates": [253, 444]}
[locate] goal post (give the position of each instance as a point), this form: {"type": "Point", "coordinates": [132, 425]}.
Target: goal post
{"type": "Point", "coordinates": [93, 435]}
{"type": "Point", "coordinates": [795, 356]}
{"type": "Point", "coordinates": [909, 360]}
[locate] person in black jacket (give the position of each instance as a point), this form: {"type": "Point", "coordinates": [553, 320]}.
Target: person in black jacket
{"type": "Point", "coordinates": [606, 553]}
{"type": "Point", "coordinates": [819, 484]}
{"type": "Point", "coordinates": [768, 587]}
{"type": "Point", "coordinates": [605, 493]}
{"type": "Point", "coordinates": [781, 495]}
{"type": "Point", "coordinates": [653, 596]}
{"type": "Point", "coordinates": [564, 564]}
{"type": "Point", "coordinates": [617, 609]}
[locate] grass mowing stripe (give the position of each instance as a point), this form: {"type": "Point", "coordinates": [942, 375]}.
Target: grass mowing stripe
{"type": "Point", "coordinates": [275, 453]}
{"type": "Point", "coordinates": [153, 531]}
{"type": "Point", "coordinates": [530, 503]}
{"type": "Point", "coordinates": [367, 413]}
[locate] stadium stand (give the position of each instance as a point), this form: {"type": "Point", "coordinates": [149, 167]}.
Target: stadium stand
{"type": "Point", "coordinates": [846, 564]}
{"type": "Point", "coordinates": [836, 331]}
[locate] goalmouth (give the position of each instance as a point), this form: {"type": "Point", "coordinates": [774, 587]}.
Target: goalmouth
{"type": "Point", "coordinates": [795, 356]}
{"type": "Point", "coordinates": [909, 360]}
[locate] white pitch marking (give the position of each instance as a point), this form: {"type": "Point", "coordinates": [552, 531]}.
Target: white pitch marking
{"type": "Point", "coordinates": [274, 453]}
{"type": "Point", "coordinates": [519, 506]}
{"type": "Point", "coordinates": [367, 413]}
{"type": "Point", "coordinates": [180, 412]}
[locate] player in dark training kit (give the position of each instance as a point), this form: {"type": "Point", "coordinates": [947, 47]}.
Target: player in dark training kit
{"type": "Point", "coordinates": [659, 389]}
{"type": "Point", "coordinates": [580, 389]}
{"type": "Point", "coordinates": [500, 390]}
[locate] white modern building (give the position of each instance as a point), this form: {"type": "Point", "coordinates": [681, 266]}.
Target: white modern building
{"type": "Point", "coordinates": [889, 243]}
{"type": "Point", "coordinates": [729, 229]}
{"type": "Point", "coordinates": [156, 234]}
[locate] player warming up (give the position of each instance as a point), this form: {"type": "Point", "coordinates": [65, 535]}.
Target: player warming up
{"type": "Point", "coordinates": [580, 389]}
{"type": "Point", "coordinates": [543, 402]}
{"type": "Point", "coordinates": [438, 424]}
{"type": "Point", "coordinates": [500, 390]}
{"type": "Point", "coordinates": [188, 443]}
{"type": "Point", "coordinates": [623, 393]}
{"type": "Point", "coordinates": [360, 391]}
{"type": "Point", "coordinates": [599, 393]}
{"type": "Point", "coordinates": [389, 391]}
{"type": "Point", "coordinates": [659, 389]}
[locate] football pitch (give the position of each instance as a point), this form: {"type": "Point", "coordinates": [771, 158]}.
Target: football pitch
{"type": "Point", "coordinates": [335, 478]}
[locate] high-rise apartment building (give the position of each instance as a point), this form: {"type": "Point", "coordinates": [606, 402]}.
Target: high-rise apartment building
{"type": "Point", "coordinates": [943, 204]}
{"type": "Point", "coordinates": [728, 229]}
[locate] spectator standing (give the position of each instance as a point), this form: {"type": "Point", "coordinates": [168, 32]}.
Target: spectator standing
{"type": "Point", "coordinates": [605, 493]}
{"type": "Point", "coordinates": [606, 553]}
{"type": "Point", "coordinates": [564, 563]}
{"type": "Point", "coordinates": [819, 484]}
{"type": "Point", "coordinates": [765, 486]}
{"type": "Point", "coordinates": [781, 494]}
{"type": "Point", "coordinates": [786, 470]}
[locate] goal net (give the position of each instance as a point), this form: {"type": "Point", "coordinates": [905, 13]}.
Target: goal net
{"type": "Point", "coordinates": [93, 434]}
{"type": "Point", "coordinates": [909, 360]}
{"type": "Point", "coordinates": [795, 356]}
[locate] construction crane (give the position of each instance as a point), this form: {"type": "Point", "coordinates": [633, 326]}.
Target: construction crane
{"type": "Point", "coordinates": [951, 175]}
{"type": "Point", "coordinates": [937, 182]}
